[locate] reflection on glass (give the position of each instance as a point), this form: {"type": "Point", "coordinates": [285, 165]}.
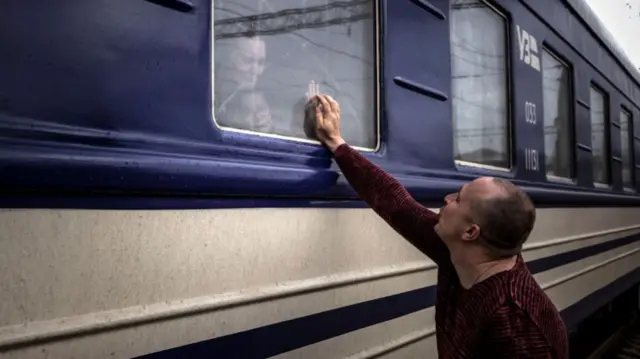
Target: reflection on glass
{"type": "Point", "coordinates": [269, 54]}
{"type": "Point", "coordinates": [599, 136]}
{"type": "Point", "coordinates": [557, 117]}
{"type": "Point", "coordinates": [248, 110]}
{"type": "Point", "coordinates": [245, 62]}
{"type": "Point", "coordinates": [627, 163]}
{"type": "Point", "coordinates": [479, 84]}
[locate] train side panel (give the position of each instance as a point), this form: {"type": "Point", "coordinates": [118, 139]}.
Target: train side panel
{"type": "Point", "coordinates": [295, 283]}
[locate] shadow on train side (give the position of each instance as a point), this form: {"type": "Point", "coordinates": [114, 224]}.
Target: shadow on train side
{"type": "Point", "coordinates": [278, 338]}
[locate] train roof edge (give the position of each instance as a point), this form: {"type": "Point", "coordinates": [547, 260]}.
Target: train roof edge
{"type": "Point", "coordinates": [587, 15]}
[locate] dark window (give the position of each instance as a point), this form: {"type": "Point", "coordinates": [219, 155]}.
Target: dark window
{"type": "Point", "coordinates": [627, 156]}
{"type": "Point", "coordinates": [479, 84]}
{"type": "Point", "coordinates": [558, 123]}
{"type": "Point", "coordinates": [600, 136]}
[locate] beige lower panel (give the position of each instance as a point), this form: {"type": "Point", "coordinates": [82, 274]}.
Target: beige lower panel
{"type": "Point", "coordinates": [419, 344]}
{"type": "Point", "coordinates": [59, 263]}
{"type": "Point", "coordinates": [572, 268]}
{"type": "Point", "coordinates": [152, 337]}
{"type": "Point", "coordinates": [565, 222]}
{"type": "Point", "coordinates": [570, 292]}
{"type": "Point", "coordinates": [532, 251]}
{"type": "Point", "coordinates": [366, 338]}
{"type": "Point", "coordinates": [116, 259]}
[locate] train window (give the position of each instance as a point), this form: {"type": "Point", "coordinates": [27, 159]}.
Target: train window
{"type": "Point", "coordinates": [558, 123]}
{"type": "Point", "coordinates": [600, 136]}
{"type": "Point", "coordinates": [479, 85]}
{"type": "Point", "coordinates": [270, 55]}
{"type": "Point", "coordinates": [625, 140]}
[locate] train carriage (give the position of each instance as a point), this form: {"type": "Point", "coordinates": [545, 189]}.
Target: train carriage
{"type": "Point", "coordinates": [161, 198]}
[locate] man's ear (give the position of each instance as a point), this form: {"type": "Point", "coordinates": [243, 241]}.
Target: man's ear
{"type": "Point", "coordinates": [472, 233]}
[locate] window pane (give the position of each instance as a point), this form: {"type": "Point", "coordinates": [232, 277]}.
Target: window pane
{"type": "Point", "coordinates": [599, 137]}
{"type": "Point", "coordinates": [627, 164]}
{"type": "Point", "coordinates": [479, 84]}
{"type": "Point", "coordinates": [270, 54]}
{"type": "Point", "coordinates": [558, 144]}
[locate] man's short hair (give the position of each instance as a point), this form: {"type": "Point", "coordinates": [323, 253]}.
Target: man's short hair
{"type": "Point", "coordinates": [505, 220]}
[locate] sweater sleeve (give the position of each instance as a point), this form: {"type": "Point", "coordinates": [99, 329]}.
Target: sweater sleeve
{"type": "Point", "coordinates": [511, 334]}
{"type": "Point", "coordinates": [391, 201]}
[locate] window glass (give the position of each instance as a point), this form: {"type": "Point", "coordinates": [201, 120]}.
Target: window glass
{"type": "Point", "coordinates": [270, 54]}
{"type": "Point", "coordinates": [599, 136]}
{"type": "Point", "coordinates": [625, 140]}
{"type": "Point", "coordinates": [479, 84]}
{"type": "Point", "coordinates": [558, 136]}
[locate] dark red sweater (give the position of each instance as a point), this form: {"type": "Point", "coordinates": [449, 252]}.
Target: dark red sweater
{"type": "Point", "coordinates": [506, 316]}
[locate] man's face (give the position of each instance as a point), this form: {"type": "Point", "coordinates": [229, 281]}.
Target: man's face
{"type": "Point", "coordinates": [456, 218]}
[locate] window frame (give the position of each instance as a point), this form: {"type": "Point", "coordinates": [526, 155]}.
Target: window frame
{"type": "Point", "coordinates": [468, 166]}
{"type": "Point", "coordinates": [572, 115]}
{"type": "Point", "coordinates": [606, 135]}
{"type": "Point", "coordinates": [230, 134]}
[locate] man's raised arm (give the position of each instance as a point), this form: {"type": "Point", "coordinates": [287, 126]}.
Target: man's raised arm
{"type": "Point", "coordinates": [386, 196]}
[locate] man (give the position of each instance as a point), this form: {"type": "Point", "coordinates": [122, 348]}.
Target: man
{"type": "Point", "coordinates": [488, 304]}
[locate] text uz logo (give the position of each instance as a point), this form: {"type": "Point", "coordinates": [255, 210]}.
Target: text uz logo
{"type": "Point", "coordinates": [528, 48]}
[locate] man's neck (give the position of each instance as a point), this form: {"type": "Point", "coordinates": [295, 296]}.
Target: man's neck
{"type": "Point", "coordinates": [471, 272]}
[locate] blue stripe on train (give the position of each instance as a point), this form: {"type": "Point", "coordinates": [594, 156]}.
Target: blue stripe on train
{"type": "Point", "coordinates": [296, 333]}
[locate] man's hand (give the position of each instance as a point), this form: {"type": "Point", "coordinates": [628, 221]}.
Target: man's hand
{"type": "Point", "coordinates": [327, 121]}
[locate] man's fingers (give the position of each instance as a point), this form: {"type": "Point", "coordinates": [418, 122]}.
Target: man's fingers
{"type": "Point", "coordinates": [334, 105]}
{"type": "Point", "coordinates": [329, 103]}
{"type": "Point", "coordinates": [325, 104]}
{"type": "Point", "coordinates": [319, 115]}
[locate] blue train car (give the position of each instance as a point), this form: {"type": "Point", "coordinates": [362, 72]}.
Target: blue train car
{"type": "Point", "coordinates": [161, 198]}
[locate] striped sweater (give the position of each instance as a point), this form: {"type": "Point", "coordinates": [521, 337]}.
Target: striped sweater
{"type": "Point", "coordinates": [506, 316]}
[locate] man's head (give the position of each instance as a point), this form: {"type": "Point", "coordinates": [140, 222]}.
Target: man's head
{"type": "Point", "coordinates": [489, 212]}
